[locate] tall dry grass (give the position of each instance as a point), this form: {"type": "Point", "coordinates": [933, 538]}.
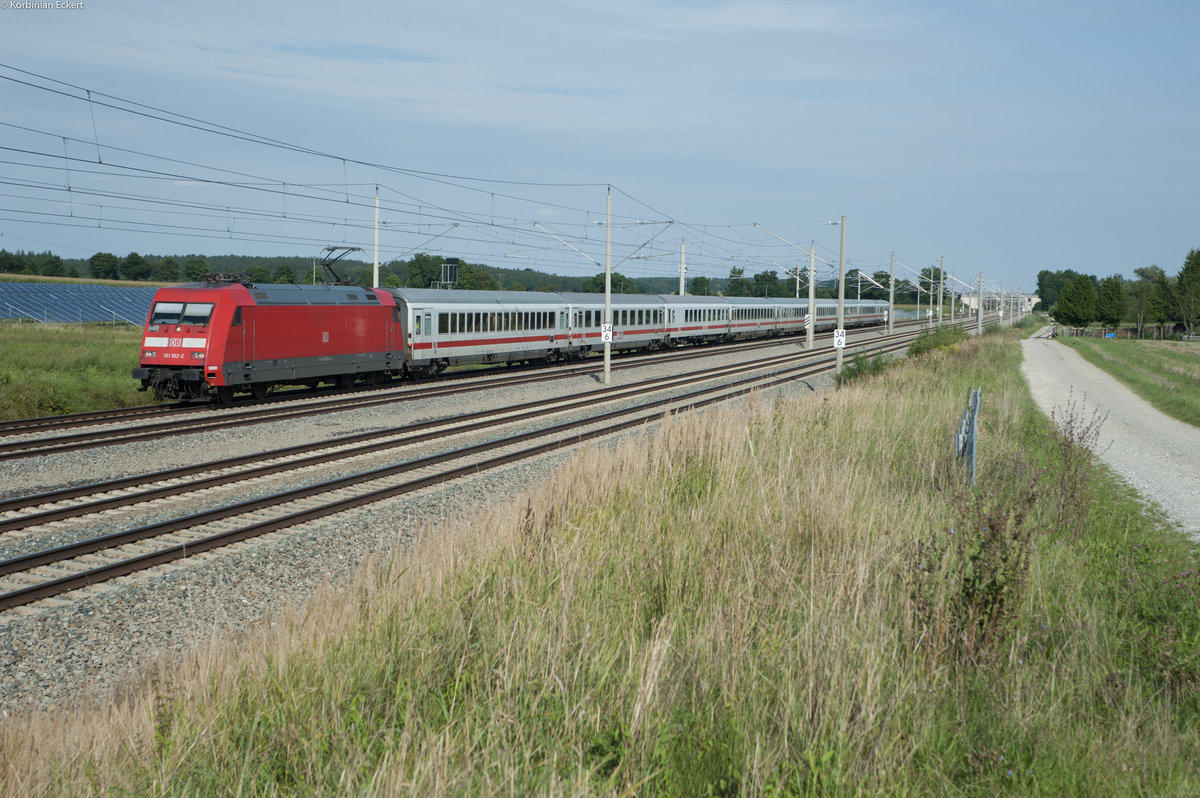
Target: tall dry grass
{"type": "Point", "coordinates": [783, 597]}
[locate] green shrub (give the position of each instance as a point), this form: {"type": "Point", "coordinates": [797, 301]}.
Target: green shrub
{"type": "Point", "coordinates": [946, 338]}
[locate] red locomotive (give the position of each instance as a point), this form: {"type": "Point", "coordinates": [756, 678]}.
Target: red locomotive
{"type": "Point", "coordinates": [213, 339]}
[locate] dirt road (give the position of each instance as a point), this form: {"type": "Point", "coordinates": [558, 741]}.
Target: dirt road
{"type": "Point", "coordinates": [1156, 454]}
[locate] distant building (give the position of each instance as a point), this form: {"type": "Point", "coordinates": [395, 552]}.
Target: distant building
{"type": "Point", "coordinates": [1026, 302]}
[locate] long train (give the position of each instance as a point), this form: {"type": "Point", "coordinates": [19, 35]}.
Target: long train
{"type": "Point", "coordinates": [215, 339]}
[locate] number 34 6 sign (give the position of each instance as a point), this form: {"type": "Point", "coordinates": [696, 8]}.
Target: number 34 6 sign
{"type": "Point", "coordinates": [839, 339]}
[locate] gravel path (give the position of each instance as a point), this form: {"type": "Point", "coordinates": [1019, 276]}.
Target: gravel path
{"type": "Point", "coordinates": [1156, 454]}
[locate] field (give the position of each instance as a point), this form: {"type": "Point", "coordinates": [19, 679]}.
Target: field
{"type": "Point", "coordinates": [51, 369]}
{"type": "Point", "coordinates": [789, 597]}
{"type": "Point", "coordinates": [1164, 373]}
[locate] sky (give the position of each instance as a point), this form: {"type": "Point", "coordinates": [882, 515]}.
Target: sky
{"type": "Point", "coordinates": [999, 137]}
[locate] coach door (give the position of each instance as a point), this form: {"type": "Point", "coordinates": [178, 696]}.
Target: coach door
{"type": "Point", "coordinates": [427, 330]}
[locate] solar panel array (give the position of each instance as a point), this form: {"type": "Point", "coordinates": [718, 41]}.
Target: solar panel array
{"type": "Point", "coordinates": [75, 302]}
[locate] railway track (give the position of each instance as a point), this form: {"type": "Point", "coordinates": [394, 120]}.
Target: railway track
{"type": "Point", "coordinates": [39, 574]}
{"type": "Point", "coordinates": [132, 425]}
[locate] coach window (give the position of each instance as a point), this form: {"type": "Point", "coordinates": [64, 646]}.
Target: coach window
{"type": "Point", "coordinates": [443, 323]}
{"type": "Point", "coordinates": [417, 325]}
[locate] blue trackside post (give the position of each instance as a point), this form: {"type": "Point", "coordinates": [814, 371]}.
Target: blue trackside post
{"type": "Point", "coordinates": [964, 445]}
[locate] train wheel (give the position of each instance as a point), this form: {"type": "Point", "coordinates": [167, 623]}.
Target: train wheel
{"type": "Point", "coordinates": [225, 395]}
{"type": "Point", "coordinates": [345, 381]}
{"type": "Point", "coordinates": [260, 391]}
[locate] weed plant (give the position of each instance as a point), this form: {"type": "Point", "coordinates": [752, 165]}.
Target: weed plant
{"type": "Point", "coordinates": [860, 366]}
{"type": "Point", "coordinates": [787, 597]}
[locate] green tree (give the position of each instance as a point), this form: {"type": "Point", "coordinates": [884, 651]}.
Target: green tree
{"type": "Point", "coordinates": [883, 278]}
{"type": "Point", "coordinates": [1141, 295]}
{"type": "Point", "coordinates": [767, 284]}
{"type": "Point", "coordinates": [701, 286]}
{"type": "Point", "coordinates": [476, 278]}
{"type": "Point", "coordinates": [1163, 302]}
{"type": "Point", "coordinates": [165, 271]}
{"type": "Point", "coordinates": [1187, 291]}
{"type": "Point", "coordinates": [1076, 305]}
{"type": "Point", "coordinates": [51, 265]}
{"type": "Point", "coordinates": [1051, 284]}
{"type": "Point", "coordinates": [620, 284]}
{"type": "Point", "coordinates": [738, 285]}
{"type": "Point", "coordinates": [135, 267]}
{"type": "Point", "coordinates": [423, 270]}
{"type": "Point", "coordinates": [195, 268]}
{"type": "Point", "coordinates": [259, 273]}
{"type": "Point", "coordinates": [104, 266]}
{"type": "Point", "coordinates": [283, 274]}
{"type": "Point", "coordinates": [11, 262]}
{"type": "Point", "coordinates": [1112, 304]}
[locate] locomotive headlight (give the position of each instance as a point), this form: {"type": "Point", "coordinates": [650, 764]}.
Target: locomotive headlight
{"type": "Point", "coordinates": [149, 353]}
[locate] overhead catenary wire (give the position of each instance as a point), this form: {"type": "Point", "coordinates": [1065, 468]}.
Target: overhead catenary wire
{"type": "Point", "coordinates": [290, 209]}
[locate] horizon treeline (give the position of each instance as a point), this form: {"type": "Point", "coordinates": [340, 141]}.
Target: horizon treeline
{"type": "Point", "coordinates": [1152, 299]}
{"type": "Point", "coordinates": [421, 271]}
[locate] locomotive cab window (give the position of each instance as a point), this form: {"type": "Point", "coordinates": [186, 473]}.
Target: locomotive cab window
{"type": "Point", "coordinates": [166, 313]}
{"type": "Point", "coordinates": [196, 313]}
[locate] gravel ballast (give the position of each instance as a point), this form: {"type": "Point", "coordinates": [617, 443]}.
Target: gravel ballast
{"type": "Point", "coordinates": [91, 645]}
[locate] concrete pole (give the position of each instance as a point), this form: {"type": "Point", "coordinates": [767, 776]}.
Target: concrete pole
{"type": "Point", "coordinates": [892, 294]}
{"type": "Point", "coordinates": [941, 287]}
{"type": "Point", "coordinates": [682, 267]}
{"type": "Point", "coordinates": [979, 308]}
{"type": "Point", "coordinates": [608, 284]}
{"type": "Point", "coordinates": [812, 296]}
{"type": "Point", "coordinates": [841, 319]}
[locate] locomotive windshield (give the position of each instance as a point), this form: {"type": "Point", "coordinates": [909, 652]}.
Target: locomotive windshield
{"type": "Point", "coordinates": [178, 313]}
{"type": "Point", "coordinates": [196, 313]}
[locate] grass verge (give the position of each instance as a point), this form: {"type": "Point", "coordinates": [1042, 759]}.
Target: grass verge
{"type": "Point", "coordinates": [52, 369]}
{"type": "Point", "coordinates": [1164, 373]}
{"type": "Point", "coordinates": [787, 597]}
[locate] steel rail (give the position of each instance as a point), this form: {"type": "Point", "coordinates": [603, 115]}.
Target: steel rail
{"type": "Point", "coordinates": [645, 413]}
{"type": "Point", "coordinates": [409, 435]}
